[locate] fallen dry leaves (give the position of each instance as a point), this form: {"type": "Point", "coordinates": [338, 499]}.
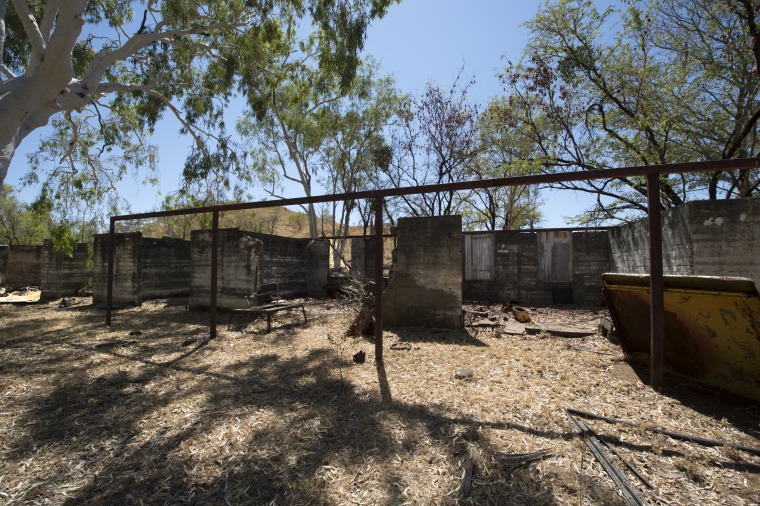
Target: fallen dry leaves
{"type": "Point", "coordinates": [128, 415]}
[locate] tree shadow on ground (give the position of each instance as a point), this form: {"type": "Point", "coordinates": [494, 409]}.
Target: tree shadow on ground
{"type": "Point", "coordinates": [267, 428]}
{"type": "Point", "coordinates": [445, 336]}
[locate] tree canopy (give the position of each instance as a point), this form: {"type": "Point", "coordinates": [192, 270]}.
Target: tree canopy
{"type": "Point", "coordinates": [105, 72]}
{"type": "Point", "coordinates": [648, 82]}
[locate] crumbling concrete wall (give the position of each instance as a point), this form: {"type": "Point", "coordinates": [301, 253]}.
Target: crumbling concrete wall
{"type": "Point", "coordinates": [62, 275]}
{"type": "Point", "coordinates": [629, 244]}
{"type": "Point", "coordinates": [165, 268]}
{"type": "Point", "coordinates": [726, 238]}
{"type": "Point", "coordinates": [515, 258]}
{"type": "Point", "coordinates": [3, 262]}
{"type": "Point", "coordinates": [127, 275]}
{"type": "Point", "coordinates": [317, 268]}
{"type": "Point", "coordinates": [239, 269]}
{"type": "Point", "coordinates": [425, 281]}
{"type": "Point", "coordinates": [516, 271]}
{"type": "Point", "coordinates": [708, 237]}
{"type": "Point", "coordinates": [363, 259]}
{"type": "Point", "coordinates": [24, 267]}
{"type": "Point", "coordinates": [591, 259]}
{"type": "Point", "coordinates": [284, 262]}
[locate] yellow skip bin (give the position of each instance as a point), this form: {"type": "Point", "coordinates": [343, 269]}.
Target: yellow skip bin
{"type": "Point", "coordinates": [712, 327]}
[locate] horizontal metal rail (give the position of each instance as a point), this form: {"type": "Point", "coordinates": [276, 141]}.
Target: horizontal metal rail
{"type": "Point", "coordinates": [651, 172]}
{"type": "Point", "coordinates": [561, 177]}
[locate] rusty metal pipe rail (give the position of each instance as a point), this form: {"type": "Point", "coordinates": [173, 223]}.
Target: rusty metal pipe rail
{"type": "Point", "coordinates": [587, 175]}
{"type": "Point", "coordinates": [651, 172]}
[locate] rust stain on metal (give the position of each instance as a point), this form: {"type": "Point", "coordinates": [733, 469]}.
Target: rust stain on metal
{"type": "Point", "coordinates": [712, 327]}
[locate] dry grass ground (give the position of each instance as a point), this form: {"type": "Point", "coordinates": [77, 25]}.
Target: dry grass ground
{"type": "Point", "coordinates": [128, 415]}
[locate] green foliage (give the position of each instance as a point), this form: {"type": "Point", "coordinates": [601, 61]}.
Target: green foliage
{"type": "Point", "coordinates": [501, 155]}
{"type": "Point", "coordinates": [210, 51]}
{"type": "Point", "coordinates": [21, 223]}
{"type": "Point", "coordinates": [64, 239]}
{"type": "Point", "coordinates": [649, 82]}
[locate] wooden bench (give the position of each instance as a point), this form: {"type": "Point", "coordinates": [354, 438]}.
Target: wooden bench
{"type": "Point", "coordinates": [267, 310]}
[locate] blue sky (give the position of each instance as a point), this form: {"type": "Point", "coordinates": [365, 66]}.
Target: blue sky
{"type": "Point", "coordinates": [418, 41]}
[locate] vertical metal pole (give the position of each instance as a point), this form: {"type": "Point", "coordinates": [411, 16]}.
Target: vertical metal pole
{"type": "Point", "coordinates": [379, 279]}
{"type": "Point", "coordinates": [656, 284]}
{"type": "Point", "coordinates": [109, 281]}
{"type": "Point", "coordinates": [214, 265]}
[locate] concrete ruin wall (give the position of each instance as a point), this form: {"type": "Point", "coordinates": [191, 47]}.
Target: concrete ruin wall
{"type": "Point", "coordinates": [24, 266]}
{"type": "Point", "coordinates": [363, 259]}
{"type": "Point", "coordinates": [629, 244]}
{"type": "Point", "coordinates": [284, 262]}
{"type": "Point", "coordinates": [127, 275]}
{"type": "Point", "coordinates": [516, 271]}
{"type": "Point", "coordinates": [515, 259]}
{"type": "Point", "coordinates": [591, 259]}
{"type": "Point", "coordinates": [726, 236]}
{"type": "Point", "coordinates": [3, 262]}
{"type": "Point", "coordinates": [317, 268]}
{"type": "Point", "coordinates": [239, 269]}
{"type": "Point", "coordinates": [63, 276]}
{"type": "Point", "coordinates": [709, 237]}
{"type": "Point", "coordinates": [165, 268]}
{"type": "Point", "coordinates": [425, 281]}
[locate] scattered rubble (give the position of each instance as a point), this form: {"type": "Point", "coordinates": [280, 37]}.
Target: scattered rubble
{"type": "Point", "coordinates": [463, 374]}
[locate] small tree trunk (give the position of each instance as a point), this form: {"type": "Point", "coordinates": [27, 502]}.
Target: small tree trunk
{"type": "Point", "coordinates": [313, 229]}
{"type": "Point", "coordinates": [712, 188]}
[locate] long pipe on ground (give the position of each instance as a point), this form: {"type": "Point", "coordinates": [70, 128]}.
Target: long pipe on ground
{"type": "Point", "coordinates": [675, 435]}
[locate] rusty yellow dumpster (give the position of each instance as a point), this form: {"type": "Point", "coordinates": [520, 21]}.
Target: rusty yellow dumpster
{"type": "Point", "coordinates": [712, 327]}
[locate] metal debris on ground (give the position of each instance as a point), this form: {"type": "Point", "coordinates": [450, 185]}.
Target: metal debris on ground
{"type": "Point", "coordinates": [621, 480]}
{"type": "Point", "coordinates": [364, 323]}
{"type": "Point", "coordinates": [67, 302]}
{"type": "Point", "coordinates": [519, 313]}
{"type": "Point", "coordinates": [675, 435]}
{"type": "Point", "coordinates": [28, 294]}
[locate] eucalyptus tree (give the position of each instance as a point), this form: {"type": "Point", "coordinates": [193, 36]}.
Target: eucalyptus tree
{"type": "Point", "coordinates": [648, 82]}
{"type": "Point", "coordinates": [290, 120]}
{"type": "Point", "coordinates": [105, 72]}
{"type": "Point", "coordinates": [501, 155]}
{"type": "Point", "coordinates": [355, 148]}
{"type": "Point", "coordinates": [19, 223]}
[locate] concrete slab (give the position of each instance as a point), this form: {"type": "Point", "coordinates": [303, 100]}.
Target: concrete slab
{"type": "Point", "coordinates": [514, 329]}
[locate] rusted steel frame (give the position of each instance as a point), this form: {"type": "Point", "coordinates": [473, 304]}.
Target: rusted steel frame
{"type": "Point", "coordinates": [630, 467]}
{"type": "Point", "coordinates": [379, 279]}
{"type": "Point", "coordinates": [621, 480]}
{"type": "Point", "coordinates": [214, 270]}
{"type": "Point", "coordinates": [672, 168]}
{"type": "Point", "coordinates": [675, 435]}
{"type": "Point", "coordinates": [336, 237]}
{"type": "Point", "coordinates": [536, 230]}
{"type": "Point", "coordinates": [466, 185]}
{"type": "Point", "coordinates": [656, 284]}
{"type": "Point", "coordinates": [109, 287]}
